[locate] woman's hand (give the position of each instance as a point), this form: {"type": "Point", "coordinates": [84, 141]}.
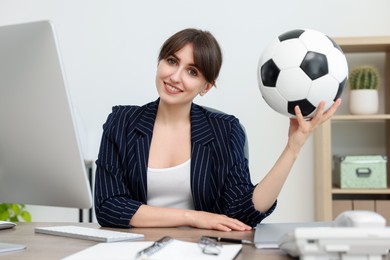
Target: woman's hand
{"type": "Point", "coordinates": [151, 216]}
{"type": "Point", "coordinates": [207, 220]}
{"type": "Point", "coordinates": [300, 129]}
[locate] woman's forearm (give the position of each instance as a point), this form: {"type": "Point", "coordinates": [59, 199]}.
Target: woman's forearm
{"type": "Point", "coordinates": [149, 216]}
{"type": "Point", "coordinates": [268, 189]}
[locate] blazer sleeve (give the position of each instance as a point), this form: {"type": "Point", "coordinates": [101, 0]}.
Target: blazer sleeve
{"type": "Point", "coordinates": [238, 186]}
{"type": "Point", "coordinates": [114, 205]}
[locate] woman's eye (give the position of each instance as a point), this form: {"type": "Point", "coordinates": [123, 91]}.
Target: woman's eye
{"type": "Point", "coordinates": [193, 72]}
{"type": "Point", "coordinates": [171, 61]}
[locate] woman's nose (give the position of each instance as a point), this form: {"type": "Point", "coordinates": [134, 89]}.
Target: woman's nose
{"type": "Point", "coordinates": [176, 74]}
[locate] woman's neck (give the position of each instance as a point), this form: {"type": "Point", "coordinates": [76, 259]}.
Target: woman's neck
{"type": "Point", "coordinates": [173, 114]}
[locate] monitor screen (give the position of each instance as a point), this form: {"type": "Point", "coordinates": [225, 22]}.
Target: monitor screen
{"type": "Point", "coordinates": [41, 162]}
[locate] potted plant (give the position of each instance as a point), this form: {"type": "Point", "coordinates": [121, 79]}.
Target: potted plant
{"type": "Point", "coordinates": [364, 84]}
{"type": "Point", "coordinates": [14, 212]}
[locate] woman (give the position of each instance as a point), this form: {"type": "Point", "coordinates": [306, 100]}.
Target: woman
{"type": "Point", "coordinates": [173, 163]}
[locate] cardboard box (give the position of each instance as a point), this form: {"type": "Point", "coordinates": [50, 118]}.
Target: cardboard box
{"type": "Point", "coordinates": [363, 205]}
{"type": "Point", "coordinates": [360, 172]}
{"type": "Point", "coordinates": [339, 206]}
{"type": "Point", "coordinates": [382, 207]}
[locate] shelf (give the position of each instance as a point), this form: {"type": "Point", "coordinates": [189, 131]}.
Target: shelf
{"type": "Point", "coordinates": [364, 44]}
{"type": "Point", "coordinates": [360, 191]}
{"type": "Point", "coordinates": [325, 193]}
{"type": "Point", "coordinates": [360, 117]}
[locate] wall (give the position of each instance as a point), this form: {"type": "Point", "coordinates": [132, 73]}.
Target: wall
{"type": "Point", "coordinates": [109, 49]}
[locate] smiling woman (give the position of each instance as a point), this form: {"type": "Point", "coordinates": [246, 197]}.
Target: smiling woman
{"type": "Point", "coordinates": [201, 149]}
{"type": "Point", "coordinates": [173, 163]}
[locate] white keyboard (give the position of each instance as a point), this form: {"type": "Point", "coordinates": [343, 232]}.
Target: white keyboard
{"type": "Point", "coordinates": [95, 234]}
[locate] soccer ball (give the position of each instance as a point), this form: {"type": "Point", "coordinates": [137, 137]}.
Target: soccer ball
{"type": "Point", "coordinates": [302, 67]}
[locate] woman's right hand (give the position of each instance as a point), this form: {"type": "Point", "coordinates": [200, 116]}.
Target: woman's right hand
{"type": "Point", "coordinates": [150, 216]}
{"type": "Point", "coordinates": [207, 220]}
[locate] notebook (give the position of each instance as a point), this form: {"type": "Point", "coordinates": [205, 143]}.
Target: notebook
{"type": "Point", "coordinates": [175, 250]}
{"type": "Point", "coordinates": [268, 235]}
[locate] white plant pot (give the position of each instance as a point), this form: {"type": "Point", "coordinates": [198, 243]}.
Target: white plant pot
{"type": "Point", "coordinates": [364, 101]}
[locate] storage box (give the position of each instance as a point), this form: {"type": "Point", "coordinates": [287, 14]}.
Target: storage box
{"type": "Point", "coordinates": [360, 172]}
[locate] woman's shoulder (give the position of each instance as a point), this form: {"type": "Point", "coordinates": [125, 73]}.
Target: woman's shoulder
{"type": "Point", "coordinates": [124, 114]}
{"type": "Point", "coordinates": [219, 120]}
{"type": "Point", "coordinates": [131, 111]}
{"type": "Point", "coordinates": [217, 115]}
{"type": "Point", "coordinates": [125, 110]}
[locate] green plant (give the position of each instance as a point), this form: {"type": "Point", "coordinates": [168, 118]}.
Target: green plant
{"type": "Point", "coordinates": [14, 212]}
{"type": "Point", "coordinates": [364, 77]}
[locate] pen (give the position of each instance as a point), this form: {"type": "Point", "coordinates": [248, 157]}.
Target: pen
{"type": "Point", "coordinates": [231, 240]}
{"type": "Point", "coordinates": [156, 246]}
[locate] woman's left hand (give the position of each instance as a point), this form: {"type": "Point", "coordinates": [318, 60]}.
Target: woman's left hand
{"type": "Point", "coordinates": [300, 128]}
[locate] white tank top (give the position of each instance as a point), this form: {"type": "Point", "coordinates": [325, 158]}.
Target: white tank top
{"type": "Point", "coordinates": [170, 187]}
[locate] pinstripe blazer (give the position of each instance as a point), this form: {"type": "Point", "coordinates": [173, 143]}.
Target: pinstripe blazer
{"type": "Point", "coordinates": [220, 181]}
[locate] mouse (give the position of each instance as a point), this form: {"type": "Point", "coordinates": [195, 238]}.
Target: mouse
{"type": "Point", "coordinates": [6, 224]}
{"type": "Point", "coordinates": [359, 218]}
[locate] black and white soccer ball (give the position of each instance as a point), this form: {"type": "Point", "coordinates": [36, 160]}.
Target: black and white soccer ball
{"type": "Point", "coordinates": [302, 67]}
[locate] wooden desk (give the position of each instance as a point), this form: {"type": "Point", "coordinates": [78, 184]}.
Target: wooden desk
{"type": "Point", "coordinates": [41, 246]}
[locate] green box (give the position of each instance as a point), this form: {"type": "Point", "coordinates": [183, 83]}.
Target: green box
{"type": "Point", "coordinates": [360, 172]}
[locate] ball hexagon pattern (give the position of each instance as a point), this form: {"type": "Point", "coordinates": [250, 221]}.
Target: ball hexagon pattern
{"type": "Point", "coordinates": [302, 67]}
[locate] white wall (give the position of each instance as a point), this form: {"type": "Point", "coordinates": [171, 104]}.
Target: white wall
{"type": "Point", "coordinates": [109, 49]}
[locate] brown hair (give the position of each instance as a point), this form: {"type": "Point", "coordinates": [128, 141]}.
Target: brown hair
{"type": "Point", "coordinates": [207, 53]}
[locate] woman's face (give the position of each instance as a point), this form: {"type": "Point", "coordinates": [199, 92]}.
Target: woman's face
{"type": "Point", "coordinates": [178, 80]}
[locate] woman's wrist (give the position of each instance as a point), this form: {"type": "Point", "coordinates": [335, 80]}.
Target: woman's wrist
{"type": "Point", "coordinates": [292, 149]}
{"type": "Point", "coordinates": [188, 217]}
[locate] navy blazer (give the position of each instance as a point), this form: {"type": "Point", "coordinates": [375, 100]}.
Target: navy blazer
{"type": "Point", "coordinates": [220, 180]}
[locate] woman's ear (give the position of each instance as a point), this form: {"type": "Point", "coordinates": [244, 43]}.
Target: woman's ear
{"type": "Point", "coordinates": [207, 87]}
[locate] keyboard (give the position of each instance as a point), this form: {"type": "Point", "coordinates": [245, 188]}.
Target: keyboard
{"type": "Point", "coordinates": [94, 234]}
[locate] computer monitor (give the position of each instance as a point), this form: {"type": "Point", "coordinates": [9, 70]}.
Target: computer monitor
{"type": "Point", "coordinates": [41, 161]}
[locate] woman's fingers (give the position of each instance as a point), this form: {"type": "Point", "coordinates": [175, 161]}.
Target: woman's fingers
{"type": "Point", "coordinates": [219, 222]}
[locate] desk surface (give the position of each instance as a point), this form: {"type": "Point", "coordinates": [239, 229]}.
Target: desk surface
{"type": "Point", "coordinates": [41, 246]}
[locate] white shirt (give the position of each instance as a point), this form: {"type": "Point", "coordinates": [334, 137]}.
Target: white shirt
{"type": "Point", "coordinates": [170, 187]}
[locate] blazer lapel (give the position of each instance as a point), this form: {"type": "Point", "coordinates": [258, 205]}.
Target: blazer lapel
{"type": "Point", "coordinates": [200, 129]}
{"type": "Point", "coordinates": [145, 129]}
{"type": "Point", "coordinates": [201, 136]}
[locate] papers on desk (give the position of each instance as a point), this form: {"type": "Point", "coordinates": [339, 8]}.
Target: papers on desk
{"type": "Point", "coordinates": [177, 249]}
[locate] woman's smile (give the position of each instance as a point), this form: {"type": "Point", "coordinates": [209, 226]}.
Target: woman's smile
{"type": "Point", "coordinates": [172, 89]}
